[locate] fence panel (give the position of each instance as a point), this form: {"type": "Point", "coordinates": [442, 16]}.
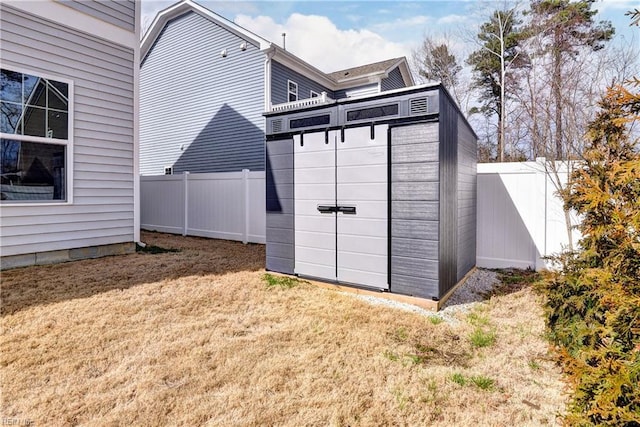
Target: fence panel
{"type": "Point", "coordinates": [520, 217]}
{"type": "Point", "coordinates": [227, 205]}
{"type": "Point", "coordinates": [162, 203]}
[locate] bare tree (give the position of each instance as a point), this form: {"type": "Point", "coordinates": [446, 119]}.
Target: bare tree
{"type": "Point", "coordinates": [435, 60]}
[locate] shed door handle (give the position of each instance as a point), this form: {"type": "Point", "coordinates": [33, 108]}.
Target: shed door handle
{"type": "Point", "coordinates": [349, 210]}
{"type": "Point", "coordinates": [327, 209]}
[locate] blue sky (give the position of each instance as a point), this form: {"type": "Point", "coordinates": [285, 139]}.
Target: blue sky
{"type": "Point", "coordinates": [338, 34]}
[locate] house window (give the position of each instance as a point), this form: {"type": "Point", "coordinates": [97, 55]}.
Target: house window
{"type": "Point", "coordinates": [35, 140]}
{"type": "Point", "coordinates": [292, 91]}
{"type": "Point", "coordinates": [314, 94]}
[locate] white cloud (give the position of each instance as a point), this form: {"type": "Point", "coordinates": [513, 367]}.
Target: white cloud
{"type": "Point", "coordinates": [403, 24]}
{"type": "Point", "coordinates": [452, 19]}
{"type": "Point", "coordinates": [318, 41]}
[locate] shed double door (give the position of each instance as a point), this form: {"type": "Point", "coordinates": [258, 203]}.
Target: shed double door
{"type": "Point", "coordinates": [340, 193]}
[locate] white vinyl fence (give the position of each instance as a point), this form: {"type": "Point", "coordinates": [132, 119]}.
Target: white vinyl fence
{"type": "Point", "coordinates": [520, 217]}
{"type": "Point", "coordinates": [226, 205]}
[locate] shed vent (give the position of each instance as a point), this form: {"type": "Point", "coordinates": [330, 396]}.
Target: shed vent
{"type": "Point", "coordinates": [276, 126]}
{"type": "Point", "coordinates": [418, 106]}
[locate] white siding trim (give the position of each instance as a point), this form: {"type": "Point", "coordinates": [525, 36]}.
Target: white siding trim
{"type": "Point", "coordinates": [136, 127]}
{"type": "Point", "coordinates": [72, 18]}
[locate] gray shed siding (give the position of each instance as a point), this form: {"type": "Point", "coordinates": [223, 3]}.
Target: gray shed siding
{"type": "Point", "coordinates": [394, 81]}
{"type": "Point", "coordinates": [118, 12]}
{"type": "Point", "coordinates": [199, 111]}
{"type": "Point", "coordinates": [448, 122]}
{"type": "Point", "coordinates": [415, 215]}
{"type": "Point", "coordinates": [280, 214]}
{"type": "Point", "coordinates": [279, 86]}
{"type": "Point", "coordinates": [467, 193]}
{"type": "Point", "coordinates": [102, 73]}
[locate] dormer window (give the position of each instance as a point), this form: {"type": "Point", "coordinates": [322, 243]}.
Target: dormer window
{"type": "Point", "coordinates": [292, 91]}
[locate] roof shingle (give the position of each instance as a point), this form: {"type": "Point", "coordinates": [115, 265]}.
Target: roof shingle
{"type": "Point", "coordinates": [363, 70]}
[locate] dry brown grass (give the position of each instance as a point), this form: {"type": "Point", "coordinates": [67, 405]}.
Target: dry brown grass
{"type": "Point", "coordinates": [197, 338]}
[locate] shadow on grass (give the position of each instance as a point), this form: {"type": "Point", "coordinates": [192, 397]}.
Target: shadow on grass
{"type": "Point", "coordinates": [27, 287]}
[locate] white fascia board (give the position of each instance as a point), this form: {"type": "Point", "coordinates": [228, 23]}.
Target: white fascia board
{"type": "Point", "coordinates": [61, 14]}
{"type": "Point", "coordinates": [185, 6]}
{"type": "Point", "coordinates": [377, 76]}
{"type": "Point", "coordinates": [298, 65]}
{"type": "Point", "coordinates": [406, 73]}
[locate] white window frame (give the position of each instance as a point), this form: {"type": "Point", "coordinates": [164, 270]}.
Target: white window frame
{"type": "Point", "coordinates": [290, 92]}
{"type": "Point", "coordinates": [313, 94]}
{"type": "Point", "coordinates": [68, 143]}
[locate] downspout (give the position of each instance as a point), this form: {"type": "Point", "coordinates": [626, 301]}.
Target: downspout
{"type": "Point", "coordinates": [267, 78]}
{"type": "Point", "coordinates": [269, 52]}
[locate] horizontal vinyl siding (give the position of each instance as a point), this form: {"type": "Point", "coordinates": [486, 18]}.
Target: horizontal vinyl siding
{"type": "Point", "coordinates": [467, 199]}
{"type": "Point", "coordinates": [102, 73]}
{"type": "Point", "coordinates": [199, 111]}
{"type": "Point", "coordinates": [279, 86]}
{"type": "Point", "coordinates": [394, 81]}
{"type": "Point", "coordinates": [117, 12]}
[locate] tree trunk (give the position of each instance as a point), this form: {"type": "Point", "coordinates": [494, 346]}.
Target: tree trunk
{"type": "Point", "coordinates": [557, 95]}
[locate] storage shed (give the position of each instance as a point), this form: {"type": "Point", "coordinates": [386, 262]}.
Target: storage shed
{"type": "Point", "coordinates": [377, 192]}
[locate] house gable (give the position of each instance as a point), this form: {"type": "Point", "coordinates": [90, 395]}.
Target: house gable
{"type": "Point", "coordinates": [201, 107]}
{"type": "Point", "coordinates": [185, 6]}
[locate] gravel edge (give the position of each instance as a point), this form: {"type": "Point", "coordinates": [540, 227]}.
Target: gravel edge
{"type": "Point", "coordinates": [462, 301]}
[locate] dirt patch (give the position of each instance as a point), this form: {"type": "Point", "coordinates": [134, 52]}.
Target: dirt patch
{"type": "Point", "coordinates": [197, 337]}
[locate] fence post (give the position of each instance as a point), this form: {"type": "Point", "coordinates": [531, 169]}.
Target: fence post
{"type": "Point", "coordinates": [246, 207]}
{"type": "Point", "coordinates": [185, 189]}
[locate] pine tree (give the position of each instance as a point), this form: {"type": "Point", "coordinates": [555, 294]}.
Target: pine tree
{"type": "Point", "coordinates": [568, 27]}
{"type": "Point", "coordinates": [492, 64]}
{"type": "Point", "coordinates": [594, 301]}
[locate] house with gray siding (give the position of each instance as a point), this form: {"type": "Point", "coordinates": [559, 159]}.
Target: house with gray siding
{"type": "Point", "coordinates": [69, 99]}
{"type": "Point", "coordinates": [205, 83]}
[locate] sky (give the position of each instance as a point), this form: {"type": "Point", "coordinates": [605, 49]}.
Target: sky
{"type": "Point", "coordinates": [334, 35]}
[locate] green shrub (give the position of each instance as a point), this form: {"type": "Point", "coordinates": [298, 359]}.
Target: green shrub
{"type": "Point", "coordinates": [593, 301]}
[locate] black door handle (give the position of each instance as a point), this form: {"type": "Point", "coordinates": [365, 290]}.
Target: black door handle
{"type": "Point", "coordinates": [348, 210]}
{"type": "Point", "coordinates": [327, 209]}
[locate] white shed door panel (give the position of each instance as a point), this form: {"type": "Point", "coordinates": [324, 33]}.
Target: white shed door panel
{"type": "Point", "coordinates": [315, 180]}
{"type": "Point", "coordinates": [361, 171]}
{"type": "Point", "coordinates": [342, 175]}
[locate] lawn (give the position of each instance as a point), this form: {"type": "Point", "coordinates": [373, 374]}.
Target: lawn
{"type": "Point", "coordinates": [199, 337]}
